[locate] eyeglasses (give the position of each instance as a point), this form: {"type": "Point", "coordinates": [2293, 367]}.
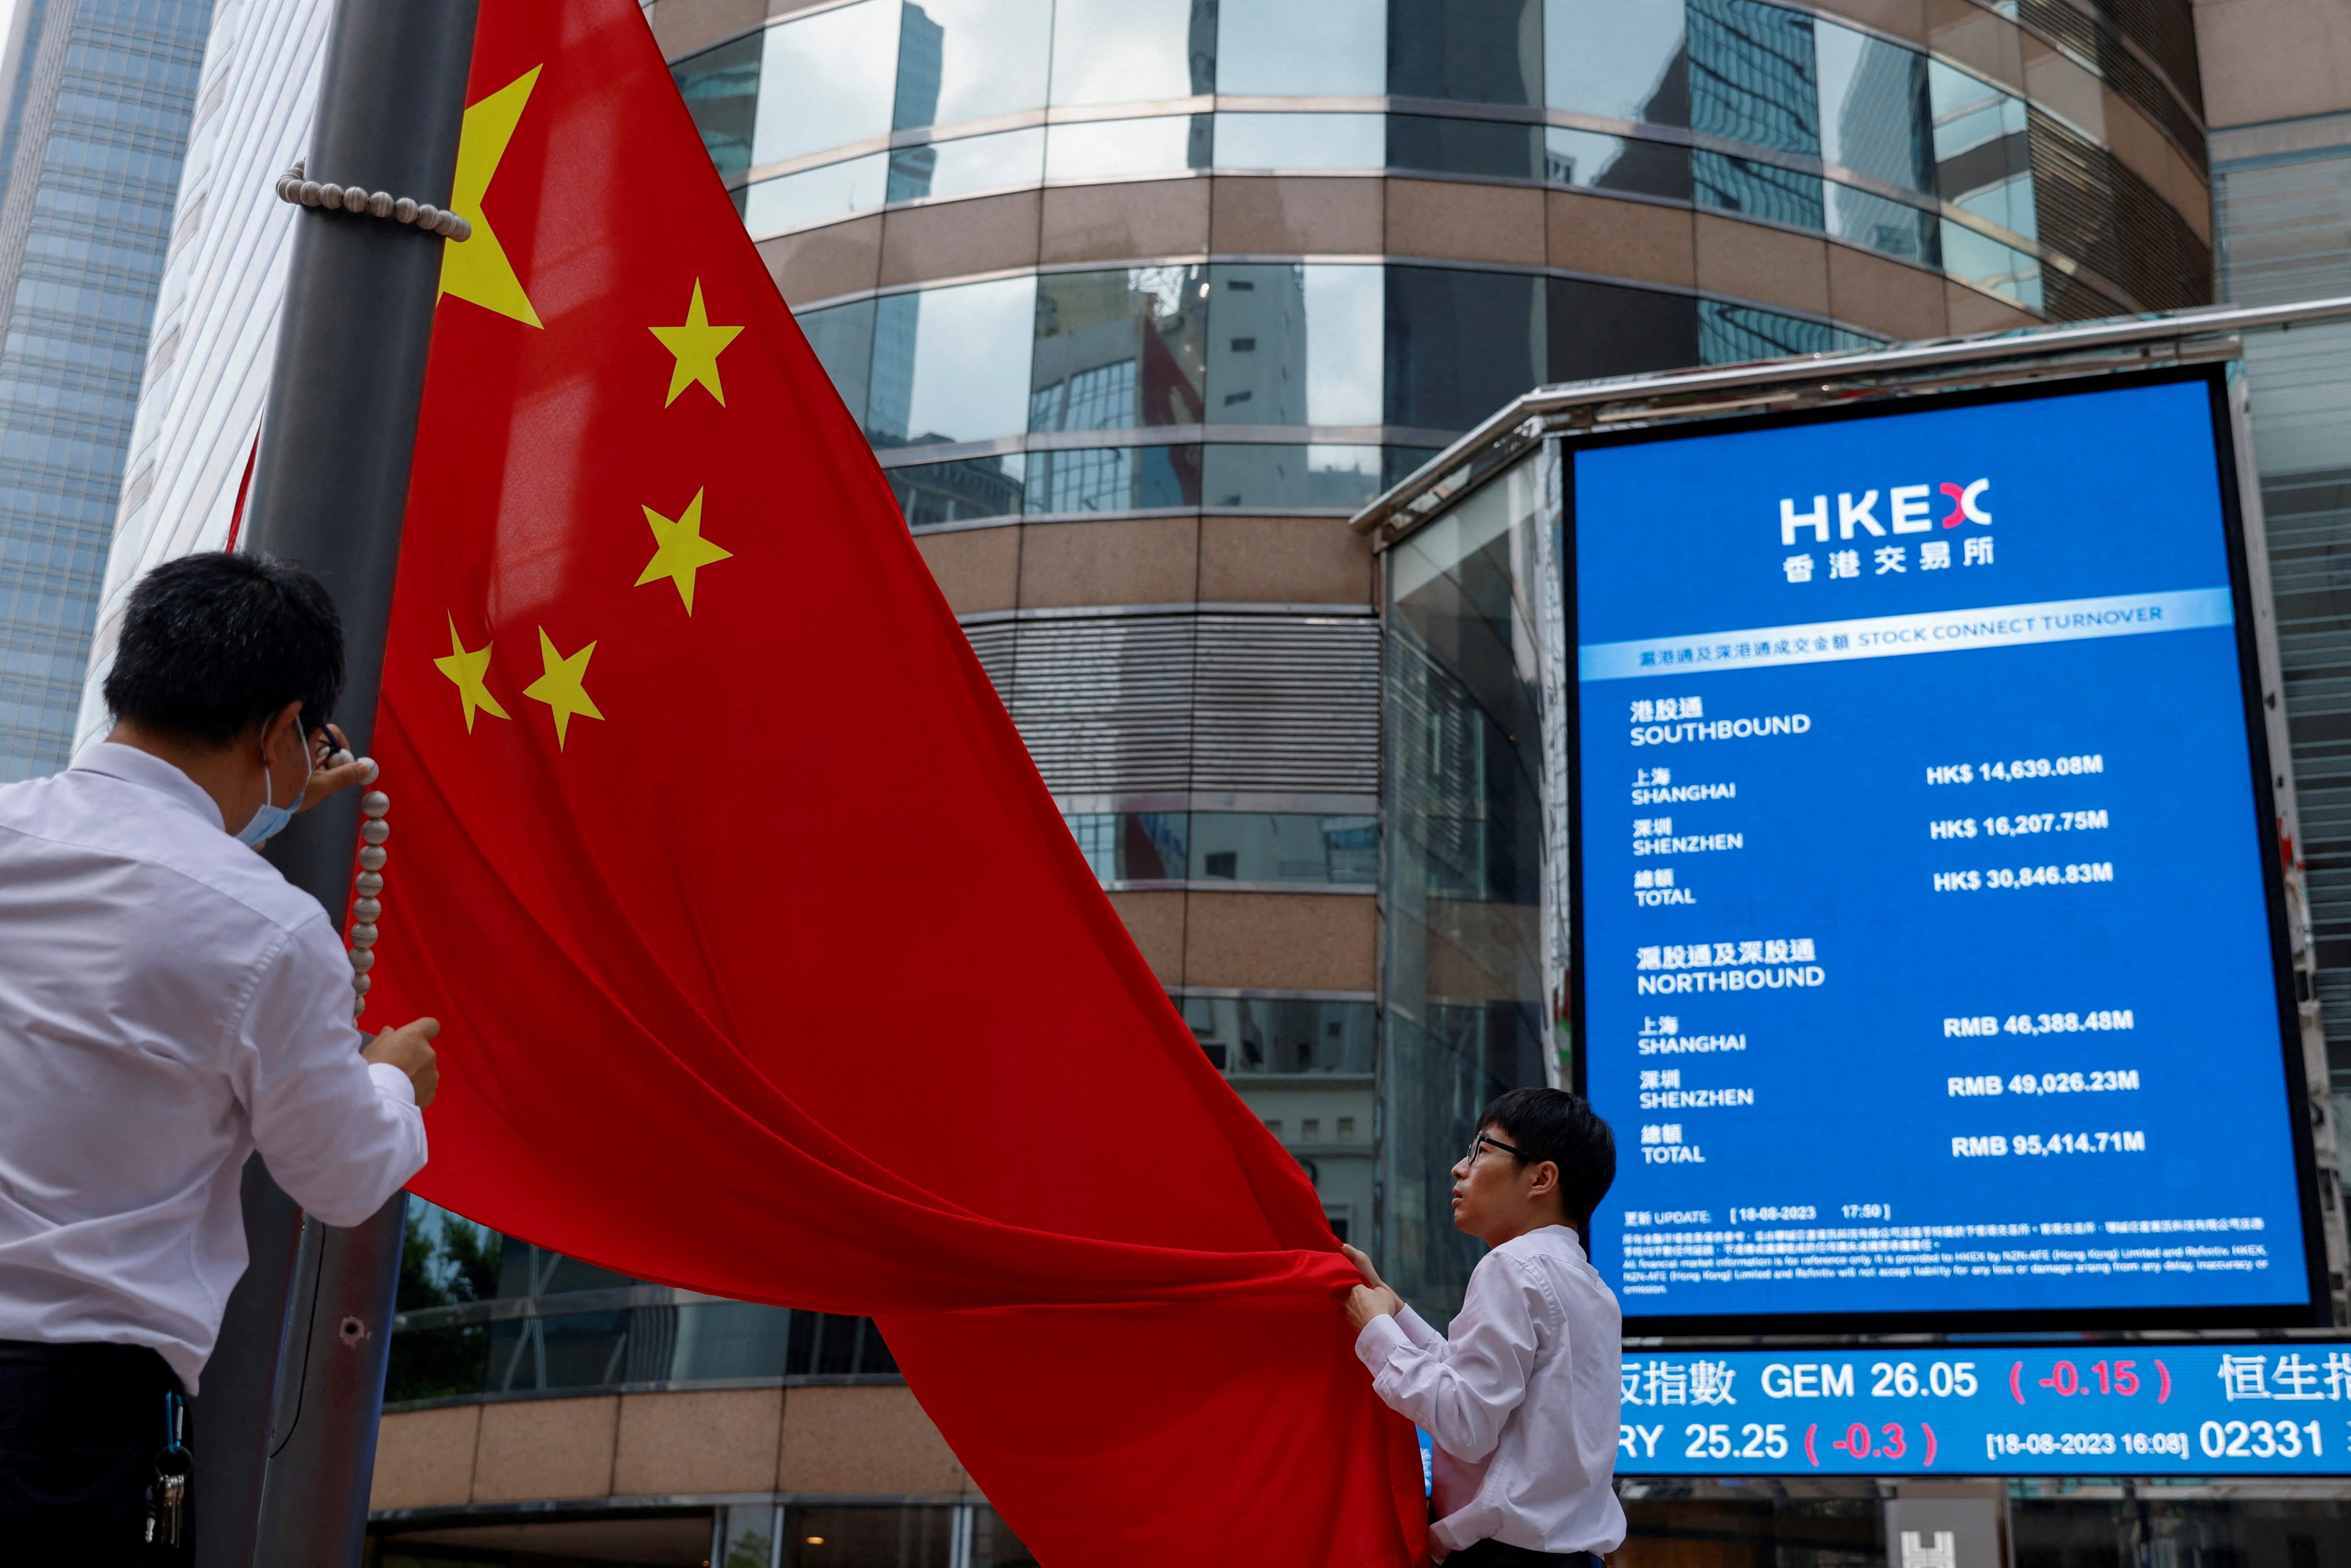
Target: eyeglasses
{"type": "Point", "coordinates": [1482, 1143]}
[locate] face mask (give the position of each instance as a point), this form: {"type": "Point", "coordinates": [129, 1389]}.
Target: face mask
{"type": "Point", "coordinates": [271, 820]}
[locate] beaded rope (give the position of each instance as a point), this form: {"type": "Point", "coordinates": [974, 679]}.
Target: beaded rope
{"type": "Point", "coordinates": [375, 806]}
{"type": "Point", "coordinates": [294, 187]}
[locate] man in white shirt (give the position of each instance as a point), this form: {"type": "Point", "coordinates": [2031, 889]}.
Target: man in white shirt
{"type": "Point", "coordinates": [1520, 1400]}
{"type": "Point", "coordinates": [168, 1004]}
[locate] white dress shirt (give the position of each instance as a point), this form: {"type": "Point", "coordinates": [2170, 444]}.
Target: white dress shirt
{"type": "Point", "coordinates": [168, 1003]}
{"type": "Point", "coordinates": [1521, 1402]}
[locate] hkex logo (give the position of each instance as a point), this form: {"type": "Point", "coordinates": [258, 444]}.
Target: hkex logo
{"type": "Point", "coordinates": [1908, 509]}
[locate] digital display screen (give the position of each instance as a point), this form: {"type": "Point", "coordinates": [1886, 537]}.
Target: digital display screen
{"type": "Point", "coordinates": [1926, 954]}
{"type": "Point", "coordinates": [2140, 1409]}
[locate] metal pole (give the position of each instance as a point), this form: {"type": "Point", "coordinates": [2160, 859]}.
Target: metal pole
{"type": "Point", "coordinates": [288, 1420]}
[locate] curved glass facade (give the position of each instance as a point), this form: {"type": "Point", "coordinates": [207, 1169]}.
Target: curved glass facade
{"type": "Point", "coordinates": [1291, 386]}
{"type": "Point", "coordinates": [1307, 385]}
{"type": "Point", "coordinates": [1763, 110]}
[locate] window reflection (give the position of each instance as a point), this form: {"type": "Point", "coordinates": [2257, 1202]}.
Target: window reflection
{"type": "Point", "coordinates": [1983, 261]}
{"type": "Point", "coordinates": [746, 1537]}
{"type": "Point", "coordinates": [1295, 343]}
{"type": "Point", "coordinates": [827, 80]}
{"type": "Point", "coordinates": [525, 1269]}
{"type": "Point", "coordinates": [1753, 74]}
{"type": "Point", "coordinates": [1732, 334]}
{"type": "Point", "coordinates": [1494, 149]}
{"type": "Point", "coordinates": [1621, 163]}
{"type": "Point", "coordinates": [1893, 227]}
{"type": "Point", "coordinates": [1132, 51]}
{"type": "Point", "coordinates": [818, 195]}
{"type": "Point", "coordinates": [1624, 59]}
{"type": "Point", "coordinates": [1076, 481]}
{"type": "Point", "coordinates": [952, 364]}
{"type": "Point", "coordinates": [1273, 847]}
{"type": "Point", "coordinates": [1607, 329]}
{"type": "Point", "coordinates": [1743, 70]}
{"type": "Point", "coordinates": [585, 1327]}
{"type": "Point", "coordinates": [694, 1342]}
{"type": "Point", "coordinates": [968, 165]}
{"type": "Point", "coordinates": [1274, 1034]}
{"type": "Point", "coordinates": [1399, 463]}
{"type": "Point", "coordinates": [721, 89]}
{"type": "Point", "coordinates": [1318, 48]}
{"type": "Point", "coordinates": [1300, 141]}
{"type": "Point", "coordinates": [1485, 52]}
{"type": "Point", "coordinates": [1465, 982]}
{"type": "Point", "coordinates": [1460, 344]}
{"type": "Point", "coordinates": [977, 487]}
{"type": "Point", "coordinates": [1108, 148]}
{"type": "Point", "coordinates": [1983, 160]}
{"type": "Point", "coordinates": [843, 337]}
{"type": "Point", "coordinates": [1117, 350]}
{"type": "Point", "coordinates": [1114, 479]}
{"type": "Point", "coordinates": [967, 59]}
{"type": "Point", "coordinates": [1874, 113]}
{"type": "Point", "coordinates": [1133, 846]}
{"type": "Point", "coordinates": [1291, 476]}
{"type": "Point", "coordinates": [1756, 190]}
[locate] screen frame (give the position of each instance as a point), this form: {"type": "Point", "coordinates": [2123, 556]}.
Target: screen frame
{"type": "Point", "coordinates": [2312, 1309]}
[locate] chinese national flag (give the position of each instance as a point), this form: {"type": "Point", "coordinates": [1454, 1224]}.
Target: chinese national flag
{"type": "Point", "coordinates": [766, 963]}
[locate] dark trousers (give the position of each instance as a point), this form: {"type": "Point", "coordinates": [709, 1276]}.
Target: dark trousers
{"type": "Point", "coordinates": [80, 1426]}
{"type": "Point", "coordinates": [1492, 1553]}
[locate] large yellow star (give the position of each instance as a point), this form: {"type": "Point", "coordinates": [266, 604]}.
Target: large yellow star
{"type": "Point", "coordinates": [560, 687]}
{"type": "Point", "coordinates": [680, 551]}
{"type": "Point", "coordinates": [466, 669]}
{"type": "Point", "coordinates": [697, 345]}
{"type": "Point", "coordinates": [478, 269]}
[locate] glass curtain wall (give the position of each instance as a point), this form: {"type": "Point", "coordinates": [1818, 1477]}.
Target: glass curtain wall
{"type": "Point", "coordinates": [1738, 105]}
{"type": "Point", "coordinates": [479, 1313]}
{"type": "Point", "coordinates": [1473, 957]}
{"type": "Point", "coordinates": [1136, 398]}
{"type": "Point", "coordinates": [2284, 222]}
{"type": "Point", "coordinates": [1234, 385]}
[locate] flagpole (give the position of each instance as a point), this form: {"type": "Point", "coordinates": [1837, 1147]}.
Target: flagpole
{"type": "Point", "coordinates": [285, 1425]}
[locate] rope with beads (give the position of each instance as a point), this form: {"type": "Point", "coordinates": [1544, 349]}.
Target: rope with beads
{"type": "Point", "coordinates": [375, 808]}
{"type": "Point", "coordinates": [294, 187]}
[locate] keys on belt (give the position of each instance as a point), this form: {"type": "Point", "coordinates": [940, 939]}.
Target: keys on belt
{"type": "Point", "coordinates": [167, 1494]}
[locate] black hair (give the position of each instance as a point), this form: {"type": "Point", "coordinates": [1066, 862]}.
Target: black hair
{"type": "Point", "coordinates": [1552, 1124]}
{"type": "Point", "coordinates": [214, 644]}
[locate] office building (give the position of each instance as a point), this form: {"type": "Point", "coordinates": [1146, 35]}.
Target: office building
{"type": "Point", "coordinates": [187, 451]}
{"type": "Point", "coordinates": [100, 95]}
{"type": "Point", "coordinates": [2278, 85]}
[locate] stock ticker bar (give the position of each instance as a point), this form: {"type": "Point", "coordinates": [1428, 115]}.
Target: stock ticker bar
{"type": "Point", "coordinates": [1927, 956]}
{"type": "Point", "coordinates": [2140, 1409]}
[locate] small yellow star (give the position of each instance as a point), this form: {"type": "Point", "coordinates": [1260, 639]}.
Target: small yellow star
{"type": "Point", "coordinates": [466, 669]}
{"type": "Point", "coordinates": [561, 688]}
{"type": "Point", "coordinates": [681, 551]}
{"type": "Point", "coordinates": [697, 345]}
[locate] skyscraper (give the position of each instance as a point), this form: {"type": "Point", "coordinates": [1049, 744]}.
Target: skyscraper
{"type": "Point", "coordinates": [216, 328]}
{"type": "Point", "coordinates": [101, 92]}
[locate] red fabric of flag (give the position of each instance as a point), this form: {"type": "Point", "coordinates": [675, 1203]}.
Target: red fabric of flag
{"type": "Point", "coordinates": [767, 966]}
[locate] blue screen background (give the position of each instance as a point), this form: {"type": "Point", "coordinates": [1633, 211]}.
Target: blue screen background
{"type": "Point", "coordinates": [1847, 1147]}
